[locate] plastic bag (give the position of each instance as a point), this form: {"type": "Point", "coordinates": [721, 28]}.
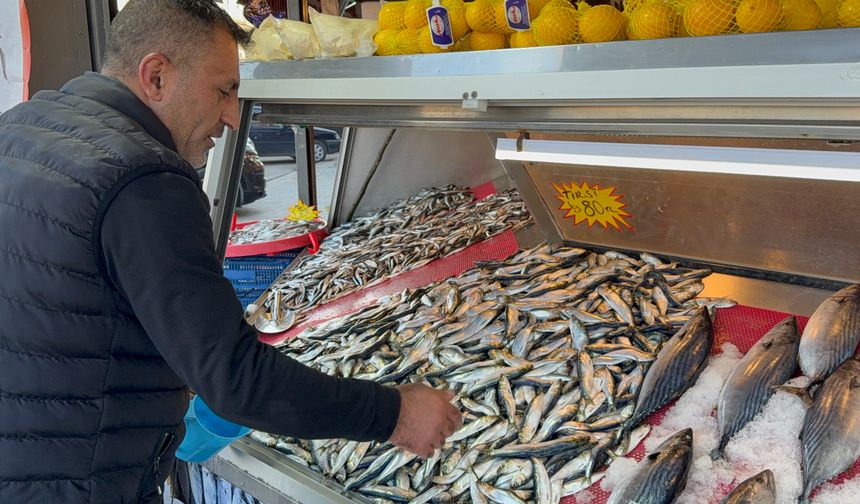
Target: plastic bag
{"type": "Point", "coordinates": [340, 37]}
{"type": "Point", "coordinates": [300, 39]}
{"type": "Point", "coordinates": [266, 43]}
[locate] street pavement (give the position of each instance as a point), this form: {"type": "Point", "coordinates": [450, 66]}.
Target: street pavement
{"type": "Point", "coordinates": [282, 189]}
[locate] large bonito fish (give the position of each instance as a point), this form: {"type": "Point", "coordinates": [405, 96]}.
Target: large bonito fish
{"type": "Point", "coordinates": [831, 335]}
{"type": "Point", "coordinates": [771, 361]}
{"type": "Point", "coordinates": [661, 476]}
{"type": "Point", "coordinates": [676, 368]}
{"type": "Point", "coordinates": [830, 438]}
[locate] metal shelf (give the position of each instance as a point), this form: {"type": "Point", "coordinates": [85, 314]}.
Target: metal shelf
{"type": "Point", "coordinates": [790, 85]}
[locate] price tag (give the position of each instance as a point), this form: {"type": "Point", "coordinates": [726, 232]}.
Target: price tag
{"type": "Point", "coordinates": [440, 25]}
{"type": "Point", "coordinates": [517, 14]}
{"type": "Point", "coordinates": [591, 204]}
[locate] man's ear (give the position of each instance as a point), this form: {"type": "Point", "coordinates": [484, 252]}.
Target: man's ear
{"type": "Point", "coordinates": [151, 75]}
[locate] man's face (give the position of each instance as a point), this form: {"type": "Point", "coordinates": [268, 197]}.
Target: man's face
{"type": "Point", "coordinates": [203, 98]}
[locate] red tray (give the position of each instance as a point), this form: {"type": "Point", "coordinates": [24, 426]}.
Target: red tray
{"type": "Point", "coordinates": [311, 239]}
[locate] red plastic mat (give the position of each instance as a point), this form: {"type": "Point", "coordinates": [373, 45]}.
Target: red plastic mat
{"type": "Point", "coordinates": [741, 326]}
{"type": "Point", "coordinates": [496, 248]}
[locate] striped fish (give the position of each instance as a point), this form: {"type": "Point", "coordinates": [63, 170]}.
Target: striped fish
{"type": "Point", "coordinates": [661, 475]}
{"type": "Point", "coordinates": [831, 335]}
{"type": "Point", "coordinates": [830, 439]}
{"type": "Point", "coordinates": [771, 361]}
{"type": "Point", "coordinates": [759, 489]}
{"type": "Point", "coordinates": [676, 368]}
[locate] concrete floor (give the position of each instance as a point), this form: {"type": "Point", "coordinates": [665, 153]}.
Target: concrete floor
{"type": "Point", "coordinates": [282, 189]}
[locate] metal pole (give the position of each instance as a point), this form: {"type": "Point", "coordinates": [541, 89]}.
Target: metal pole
{"type": "Point", "coordinates": [336, 212]}
{"type": "Point", "coordinates": [294, 10]}
{"type": "Point", "coordinates": [98, 20]}
{"type": "Point", "coordinates": [305, 164]}
{"type": "Point", "coordinates": [227, 188]}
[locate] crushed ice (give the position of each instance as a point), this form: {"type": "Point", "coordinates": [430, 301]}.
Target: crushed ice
{"type": "Point", "coordinates": [769, 441]}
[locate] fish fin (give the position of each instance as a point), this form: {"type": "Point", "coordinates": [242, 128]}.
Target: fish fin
{"type": "Point", "coordinates": [716, 454]}
{"type": "Point", "coordinates": [802, 392]}
{"type": "Point", "coordinates": [855, 382]}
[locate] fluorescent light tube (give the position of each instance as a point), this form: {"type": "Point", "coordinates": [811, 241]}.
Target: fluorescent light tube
{"type": "Point", "coordinates": [802, 164]}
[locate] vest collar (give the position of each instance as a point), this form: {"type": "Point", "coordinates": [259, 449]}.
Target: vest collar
{"type": "Point", "coordinates": [116, 95]}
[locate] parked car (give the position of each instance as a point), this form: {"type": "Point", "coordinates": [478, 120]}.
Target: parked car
{"type": "Point", "coordinates": [279, 140]}
{"type": "Point", "coordinates": [252, 184]}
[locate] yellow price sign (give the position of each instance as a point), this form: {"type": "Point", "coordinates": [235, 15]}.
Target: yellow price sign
{"type": "Point", "coordinates": [302, 212]}
{"type": "Point", "coordinates": [592, 204]}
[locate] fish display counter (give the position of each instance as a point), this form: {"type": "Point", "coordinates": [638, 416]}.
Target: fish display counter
{"type": "Point", "coordinates": [640, 293]}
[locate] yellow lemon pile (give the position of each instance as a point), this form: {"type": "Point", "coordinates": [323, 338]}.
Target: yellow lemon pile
{"type": "Point", "coordinates": [652, 19]}
{"type": "Point", "coordinates": [602, 23]}
{"type": "Point", "coordinates": [403, 27]}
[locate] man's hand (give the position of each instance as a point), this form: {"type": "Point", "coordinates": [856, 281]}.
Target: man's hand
{"type": "Point", "coordinates": [426, 419]}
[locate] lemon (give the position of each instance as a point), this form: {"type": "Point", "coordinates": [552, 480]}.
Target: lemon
{"type": "Point", "coordinates": [535, 7]}
{"type": "Point", "coordinates": [556, 26]}
{"type": "Point", "coordinates": [632, 5]}
{"type": "Point", "coordinates": [386, 42]}
{"type": "Point", "coordinates": [759, 16]}
{"type": "Point", "coordinates": [415, 13]}
{"type": "Point", "coordinates": [481, 16]}
{"type": "Point", "coordinates": [407, 41]}
{"type": "Point", "coordinates": [800, 15]}
{"type": "Point", "coordinates": [464, 44]}
{"type": "Point", "coordinates": [425, 43]}
{"type": "Point", "coordinates": [602, 23]}
{"type": "Point", "coordinates": [391, 16]}
{"type": "Point", "coordinates": [501, 18]}
{"type": "Point", "coordinates": [828, 13]}
{"type": "Point", "coordinates": [558, 3]}
{"type": "Point", "coordinates": [523, 39]}
{"type": "Point", "coordinates": [457, 16]}
{"type": "Point", "coordinates": [848, 13]}
{"type": "Point", "coordinates": [653, 21]}
{"type": "Point", "coordinates": [709, 17]}
{"type": "Point", "coordinates": [484, 41]}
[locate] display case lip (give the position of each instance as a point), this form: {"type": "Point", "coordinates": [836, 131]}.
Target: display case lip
{"type": "Point", "coordinates": [814, 47]}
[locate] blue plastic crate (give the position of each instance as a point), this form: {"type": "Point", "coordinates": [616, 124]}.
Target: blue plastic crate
{"type": "Point", "coordinates": [251, 275]}
{"type": "Point", "coordinates": [248, 296]}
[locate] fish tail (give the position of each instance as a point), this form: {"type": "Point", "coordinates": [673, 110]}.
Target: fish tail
{"type": "Point", "coordinates": [804, 393]}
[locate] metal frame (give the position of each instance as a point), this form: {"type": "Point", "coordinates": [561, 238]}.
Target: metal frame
{"type": "Point", "coordinates": [222, 186]}
{"type": "Point", "coordinates": [261, 472]}
{"type": "Point", "coordinates": [795, 85]}
{"type": "Point", "coordinates": [341, 176]}
{"type": "Point", "coordinates": [306, 164]}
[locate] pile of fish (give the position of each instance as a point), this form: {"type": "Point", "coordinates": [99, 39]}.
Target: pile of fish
{"type": "Point", "coordinates": [272, 229]}
{"type": "Point", "coordinates": [405, 235]}
{"type": "Point", "coordinates": [548, 353]}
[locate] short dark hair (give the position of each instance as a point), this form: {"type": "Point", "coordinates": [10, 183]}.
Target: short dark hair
{"type": "Point", "coordinates": [176, 28]}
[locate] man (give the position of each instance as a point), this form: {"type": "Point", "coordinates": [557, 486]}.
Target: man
{"type": "Point", "coordinates": [112, 300]}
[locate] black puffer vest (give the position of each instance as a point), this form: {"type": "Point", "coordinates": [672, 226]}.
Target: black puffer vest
{"type": "Point", "coordinates": [89, 411]}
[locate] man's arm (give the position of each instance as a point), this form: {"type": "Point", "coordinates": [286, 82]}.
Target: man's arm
{"type": "Point", "coordinates": [158, 247]}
